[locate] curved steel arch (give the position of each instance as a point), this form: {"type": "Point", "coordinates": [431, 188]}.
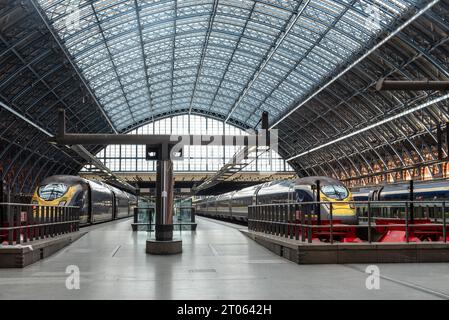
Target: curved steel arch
{"type": "Point", "coordinates": [104, 31]}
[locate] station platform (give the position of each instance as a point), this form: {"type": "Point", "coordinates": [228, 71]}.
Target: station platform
{"type": "Point", "coordinates": [218, 262]}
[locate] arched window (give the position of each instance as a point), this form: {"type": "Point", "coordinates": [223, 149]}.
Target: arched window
{"type": "Point", "coordinates": [131, 158]}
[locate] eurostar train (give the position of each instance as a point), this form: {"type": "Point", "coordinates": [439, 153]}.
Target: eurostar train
{"type": "Point", "coordinates": [234, 205]}
{"type": "Point", "coordinates": [98, 202]}
{"type": "Point", "coordinates": [422, 191]}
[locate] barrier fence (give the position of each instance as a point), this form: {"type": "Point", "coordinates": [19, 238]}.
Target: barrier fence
{"type": "Point", "coordinates": [422, 220]}
{"type": "Point", "coordinates": [21, 223]}
{"type": "Point", "coordinates": [183, 218]}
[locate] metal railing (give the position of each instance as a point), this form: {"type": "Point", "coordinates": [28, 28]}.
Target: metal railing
{"type": "Point", "coordinates": [21, 223]}
{"type": "Point", "coordinates": [304, 220]}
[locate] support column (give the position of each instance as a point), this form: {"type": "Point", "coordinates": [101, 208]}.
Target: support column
{"type": "Point", "coordinates": [164, 243]}
{"type": "Point", "coordinates": [164, 201]}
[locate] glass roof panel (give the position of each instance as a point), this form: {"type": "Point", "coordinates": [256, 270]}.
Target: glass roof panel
{"type": "Point", "coordinates": [230, 58]}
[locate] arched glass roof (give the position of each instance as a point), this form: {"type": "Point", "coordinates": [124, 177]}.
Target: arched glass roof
{"type": "Point", "coordinates": [231, 59]}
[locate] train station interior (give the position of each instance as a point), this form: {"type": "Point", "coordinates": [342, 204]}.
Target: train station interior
{"type": "Point", "coordinates": [224, 149]}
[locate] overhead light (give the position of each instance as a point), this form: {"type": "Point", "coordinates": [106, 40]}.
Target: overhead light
{"type": "Point", "coordinates": [374, 125]}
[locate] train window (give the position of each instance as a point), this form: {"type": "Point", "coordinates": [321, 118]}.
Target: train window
{"type": "Point", "coordinates": [52, 191]}
{"type": "Point", "coordinates": [335, 192]}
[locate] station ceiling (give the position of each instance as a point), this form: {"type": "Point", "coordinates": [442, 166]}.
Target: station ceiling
{"type": "Point", "coordinates": [115, 65]}
{"type": "Point", "coordinates": [230, 58]}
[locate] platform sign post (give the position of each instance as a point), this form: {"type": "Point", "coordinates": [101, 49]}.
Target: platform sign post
{"type": "Point", "coordinates": [443, 210]}
{"type": "Point", "coordinates": [2, 190]}
{"type": "Point", "coordinates": [309, 229]}
{"type": "Point", "coordinates": [331, 224]}
{"type": "Point", "coordinates": [447, 138]}
{"type": "Point", "coordinates": [2, 199]}
{"type": "Point", "coordinates": [412, 198]}
{"type": "Point", "coordinates": [406, 223]}
{"type": "Point", "coordinates": [318, 202]}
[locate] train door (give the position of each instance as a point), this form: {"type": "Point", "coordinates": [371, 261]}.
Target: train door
{"type": "Point", "coordinates": [230, 201]}
{"type": "Point", "coordinates": [374, 195]}
{"type": "Point", "coordinates": [256, 194]}
{"type": "Point", "coordinates": [88, 201]}
{"type": "Point", "coordinates": [114, 206]}
{"type": "Point", "coordinates": [291, 198]}
{"type": "Point", "coordinates": [81, 200]}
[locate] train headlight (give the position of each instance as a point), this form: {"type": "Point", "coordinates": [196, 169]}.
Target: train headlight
{"type": "Point", "coordinates": [352, 205]}
{"type": "Point", "coordinates": [62, 203]}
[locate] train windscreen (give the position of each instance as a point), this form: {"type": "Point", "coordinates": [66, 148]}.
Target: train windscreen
{"type": "Point", "coordinates": [337, 192]}
{"type": "Point", "coordinates": [52, 191]}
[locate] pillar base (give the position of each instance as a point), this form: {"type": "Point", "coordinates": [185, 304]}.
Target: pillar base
{"type": "Point", "coordinates": [164, 232]}
{"type": "Point", "coordinates": [164, 247]}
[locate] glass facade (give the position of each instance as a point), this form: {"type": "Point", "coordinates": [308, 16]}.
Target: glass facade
{"type": "Point", "coordinates": [131, 158]}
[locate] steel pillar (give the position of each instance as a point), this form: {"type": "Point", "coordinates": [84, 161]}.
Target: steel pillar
{"type": "Point", "coordinates": [164, 201]}
{"type": "Point", "coordinates": [164, 243]}
{"type": "Point", "coordinates": [412, 198]}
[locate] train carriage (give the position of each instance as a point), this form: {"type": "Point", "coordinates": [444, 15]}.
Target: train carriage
{"type": "Point", "coordinates": [98, 201]}
{"type": "Point", "coordinates": [234, 205]}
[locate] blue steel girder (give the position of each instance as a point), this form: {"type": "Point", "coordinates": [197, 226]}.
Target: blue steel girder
{"type": "Point", "coordinates": [55, 39]}
{"type": "Point", "coordinates": [299, 61]}
{"type": "Point", "coordinates": [360, 92]}
{"type": "Point", "coordinates": [272, 49]}
{"type": "Point", "coordinates": [172, 78]}
{"type": "Point", "coordinates": [203, 50]}
{"type": "Point", "coordinates": [40, 79]}
{"type": "Point", "coordinates": [145, 66]}
{"type": "Point", "coordinates": [105, 43]}
{"type": "Point", "coordinates": [310, 121]}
